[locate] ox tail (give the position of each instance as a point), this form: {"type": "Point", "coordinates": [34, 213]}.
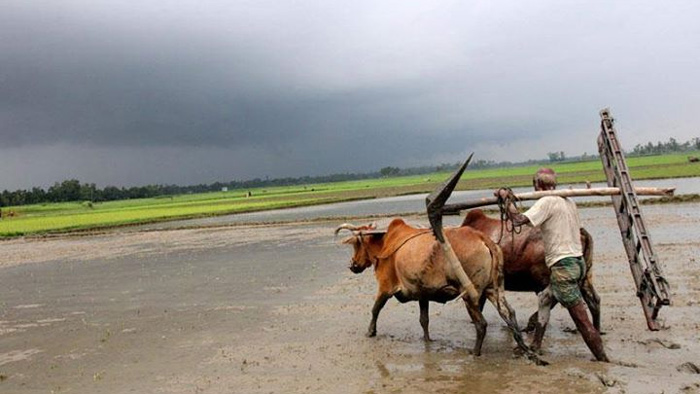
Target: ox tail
{"type": "Point", "coordinates": [497, 275]}
{"type": "Point", "coordinates": [587, 246]}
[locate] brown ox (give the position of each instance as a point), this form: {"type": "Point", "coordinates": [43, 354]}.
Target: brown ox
{"type": "Point", "coordinates": [524, 266]}
{"type": "Point", "coordinates": [409, 265]}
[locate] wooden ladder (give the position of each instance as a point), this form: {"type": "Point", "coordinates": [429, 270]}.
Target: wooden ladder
{"type": "Point", "coordinates": [652, 288]}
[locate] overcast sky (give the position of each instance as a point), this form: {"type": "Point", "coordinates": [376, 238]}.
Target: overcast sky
{"type": "Point", "coordinates": [196, 91]}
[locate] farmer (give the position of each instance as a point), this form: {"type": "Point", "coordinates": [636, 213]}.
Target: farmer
{"type": "Point", "coordinates": [559, 222]}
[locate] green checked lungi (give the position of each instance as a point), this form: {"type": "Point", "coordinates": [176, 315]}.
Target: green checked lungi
{"type": "Point", "coordinates": [566, 278]}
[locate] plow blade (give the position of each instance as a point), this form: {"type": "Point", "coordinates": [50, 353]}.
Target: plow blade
{"type": "Point", "coordinates": [434, 203]}
{"type": "Point", "coordinates": [436, 200]}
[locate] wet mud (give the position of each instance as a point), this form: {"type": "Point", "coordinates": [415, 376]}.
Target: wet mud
{"type": "Point", "coordinates": [274, 309]}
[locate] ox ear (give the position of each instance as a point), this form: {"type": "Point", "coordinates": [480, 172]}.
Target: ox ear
{"type": "Point", "coordinates": [351, 240]}
{"type": "Point", "coordinates": [378, 235]}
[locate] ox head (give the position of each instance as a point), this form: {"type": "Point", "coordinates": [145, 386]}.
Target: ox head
{"type": "Point", "coordinates": [361, 241]}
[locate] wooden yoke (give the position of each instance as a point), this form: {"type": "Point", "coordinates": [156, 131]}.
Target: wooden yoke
{"type": "Point", "coordinates": [454, 209]}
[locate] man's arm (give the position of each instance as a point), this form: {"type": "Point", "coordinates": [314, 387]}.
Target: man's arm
{"type": "Point", "coordinates": [518, 218]}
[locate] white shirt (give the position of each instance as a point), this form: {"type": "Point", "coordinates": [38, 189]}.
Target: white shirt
{"type": "Point", "coordinates": [558, 219]}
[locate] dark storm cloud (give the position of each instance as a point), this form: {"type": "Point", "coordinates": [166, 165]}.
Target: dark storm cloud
{"type": "Point", "coordinates": [99, 85]}
{"type": "Point", "coordinates": [223, 90]}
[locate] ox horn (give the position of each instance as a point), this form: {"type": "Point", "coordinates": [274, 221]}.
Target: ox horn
{"type": "Point", "coordinates": [356, 229]}
{"type": "Point", "coordinates": [349, 227]}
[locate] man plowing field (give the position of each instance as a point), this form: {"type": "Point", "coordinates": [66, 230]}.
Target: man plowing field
{"type": "Point", "coordinates": [557, 218]}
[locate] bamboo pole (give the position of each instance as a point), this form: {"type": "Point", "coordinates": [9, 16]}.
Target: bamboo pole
{"type": "Point", "coordinates": [601, 191]}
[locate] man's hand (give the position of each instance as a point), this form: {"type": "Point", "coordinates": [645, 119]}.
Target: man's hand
{"type": "Point", "coordinates": [515, 216]}
{"type": "Point", "coordinates": [501, 193]}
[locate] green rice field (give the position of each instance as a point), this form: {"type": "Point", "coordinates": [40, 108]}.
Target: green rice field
{"type": "Point", "coordinates": [63, 217]}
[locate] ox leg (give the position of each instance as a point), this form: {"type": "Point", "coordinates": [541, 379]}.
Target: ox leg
{"type": "Point", "coordinates": [482, 302]}
{"type": "Point", "coordinates": [424, 318]}
{"type": "Point", "coordinates": [379, 303]}
{"type": "Point", "coordinates": [545, 303]}
{"type": "Point", "coordinates": [531, 323]}
{"type": "Point", "coordinates": [479, 324]}
{"type": "Point", "coordinates": [590, 295]}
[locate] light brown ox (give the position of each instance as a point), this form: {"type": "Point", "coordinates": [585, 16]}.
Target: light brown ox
{"type": "Point", "coordinates": [524, 267]}
{"type": "Point", "coordinates": [409, 265]}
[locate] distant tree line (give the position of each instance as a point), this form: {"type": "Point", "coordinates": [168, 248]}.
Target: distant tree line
{"type": "Point", "coordinates": [672, 145]}
{"type": "Point", "coordinates": [74, 190]}
{"type": "Point", "coordinates": [556, 156]}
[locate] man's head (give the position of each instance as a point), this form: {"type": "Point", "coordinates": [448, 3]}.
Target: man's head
{"type": "Point", "coordinates": [545, 179]}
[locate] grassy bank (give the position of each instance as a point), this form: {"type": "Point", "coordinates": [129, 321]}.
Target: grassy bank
{"type": "Point", "coordinates": [47, 218]}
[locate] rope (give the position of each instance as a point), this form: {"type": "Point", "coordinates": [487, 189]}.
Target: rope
{"type": "Point", "coordinates": [403, 242]}
{"type": "Point", "coordinates": [506, 219]}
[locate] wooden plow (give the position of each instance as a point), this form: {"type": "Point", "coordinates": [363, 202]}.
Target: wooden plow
{"type": "Point", "coordinates": [652, 288]}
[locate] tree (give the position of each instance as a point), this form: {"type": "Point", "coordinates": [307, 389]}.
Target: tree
{"type": "Point", "coordinates": [87, 192]}
{"type": "Point", "coordinates": [389, 171]}
{"type": "Point", "coordinates": [68, 190]}
{"type": "Point", "coordinates": [673, 145]}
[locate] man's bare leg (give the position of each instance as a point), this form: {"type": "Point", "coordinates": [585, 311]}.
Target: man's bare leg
{"type": "Point", "coordinates": [590, 335]}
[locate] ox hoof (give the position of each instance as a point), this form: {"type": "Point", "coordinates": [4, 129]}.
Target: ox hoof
{"type": "Point", "coordinates": [474, 352]}
{"type": "Point", "coordinates": [371, 334]}
{"type": "Point", "coordinates": [538, 361]}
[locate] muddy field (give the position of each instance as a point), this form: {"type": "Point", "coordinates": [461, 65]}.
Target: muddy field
{"type": "Point", "coordinates": [273, 309]}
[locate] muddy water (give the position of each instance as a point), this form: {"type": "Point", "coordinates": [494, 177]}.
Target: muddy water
{"type": "Point", "coordinates": [273, 309]}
